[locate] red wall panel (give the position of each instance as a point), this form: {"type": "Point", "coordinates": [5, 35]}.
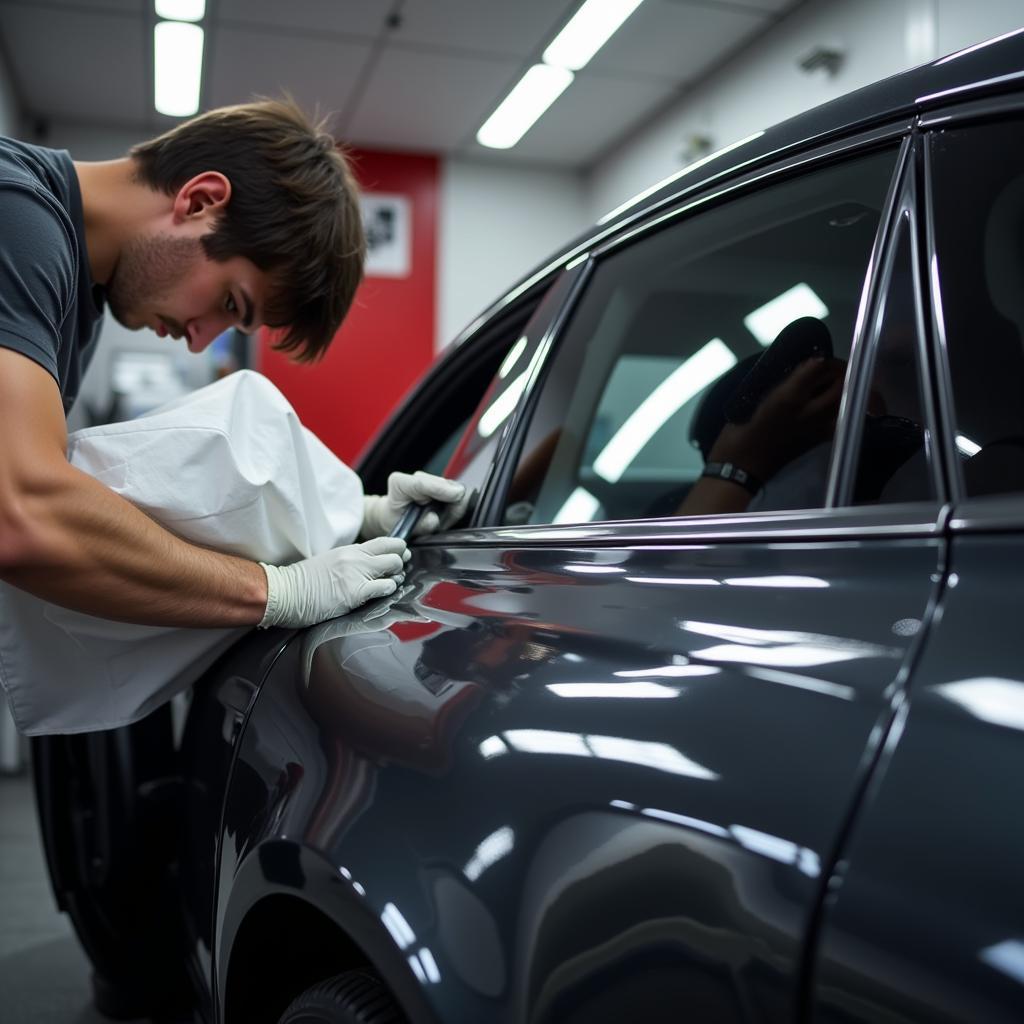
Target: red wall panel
{"type": "Point", "coordinates": [387, 339]}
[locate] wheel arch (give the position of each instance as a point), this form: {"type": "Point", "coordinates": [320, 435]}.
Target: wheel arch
{"type": "Point", "coordinates": [291, 921]}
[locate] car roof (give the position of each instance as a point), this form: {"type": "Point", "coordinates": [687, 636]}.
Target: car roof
{"type": "Point", "coordinates": [991, 66]}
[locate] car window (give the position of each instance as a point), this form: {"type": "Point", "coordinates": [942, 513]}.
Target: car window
{"type": "Point", "coordinates": [476, 447]}
{"type": "Point", "coordinates": [977, 176]}
{"type": "Point", "coordinates": [663, 349]}
{"type": "Point", "coordinates": [895, 461]}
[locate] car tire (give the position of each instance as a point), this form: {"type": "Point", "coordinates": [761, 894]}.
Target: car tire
{"type": "Point", "coordinates": [355, 997]}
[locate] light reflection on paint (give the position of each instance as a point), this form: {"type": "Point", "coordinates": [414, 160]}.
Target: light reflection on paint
{"type": "Point", "coordinates": [659, 756]}
{"type": "Point", "coordinates": [989, 698]}
{"type": "Point", "coordinates": [632, 691]}
{"type": "Point", "coordinates": [784, 851]}
{"type": "Point", "coordinates": [670, 671]}
{"type": "Point", "coordinates": [490, 851]}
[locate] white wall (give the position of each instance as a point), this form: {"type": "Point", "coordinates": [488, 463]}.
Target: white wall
{"type": "Point", "coordinates": [496, 224]}
{"type": "Point", "coordinates": [763, 84]}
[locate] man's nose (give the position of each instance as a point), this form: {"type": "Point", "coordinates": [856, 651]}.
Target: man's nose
{"type": "Point", "coordinates": [202, 331]}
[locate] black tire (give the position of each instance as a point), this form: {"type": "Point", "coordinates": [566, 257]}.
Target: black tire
{"type": "Point", "coordinates": [355, 997]}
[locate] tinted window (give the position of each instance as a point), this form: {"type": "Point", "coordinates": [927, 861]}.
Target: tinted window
{"type": "Point", "coordinates": [978, 190]}
{"type": "Point", "coordinates": [635, 403]}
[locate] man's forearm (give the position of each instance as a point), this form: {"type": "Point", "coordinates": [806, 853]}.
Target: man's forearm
{"type": "Point", "coordinates": [82, 546]}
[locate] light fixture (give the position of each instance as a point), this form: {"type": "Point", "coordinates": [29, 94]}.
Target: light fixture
{"type": "Point", "coordinates": [180, 10]}
{"type": "Point", "coordinates": [588, 30]}
{"type": "Point", "coordinates": [177, 66]}
{"type": "Point", "coordinates": [767, 321]}
{"type": "Point", "coordinates": [530, 97]}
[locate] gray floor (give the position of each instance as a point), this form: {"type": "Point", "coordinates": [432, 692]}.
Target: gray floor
{"type": "Point", "coordinates": [44, 977]}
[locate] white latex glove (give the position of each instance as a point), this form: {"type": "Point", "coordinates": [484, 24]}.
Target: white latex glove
{"type": "Point", "coordinates": [333, 583]}
{"type": "Point", "coordinates": [381, 512]}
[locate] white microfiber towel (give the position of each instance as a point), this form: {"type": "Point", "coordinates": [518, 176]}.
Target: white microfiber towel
{"type": "Point", "coordinates": [229, 467]}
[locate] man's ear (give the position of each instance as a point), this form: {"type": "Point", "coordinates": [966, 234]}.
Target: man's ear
{"type": "Point", "coordinates": [202, 197]}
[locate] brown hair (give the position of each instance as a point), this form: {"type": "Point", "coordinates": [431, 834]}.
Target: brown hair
{"type": "Point", "coordinates": [294, 209]}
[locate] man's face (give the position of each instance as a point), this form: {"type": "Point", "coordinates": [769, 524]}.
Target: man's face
{"type": "Point", "coordinates": [167, 283]}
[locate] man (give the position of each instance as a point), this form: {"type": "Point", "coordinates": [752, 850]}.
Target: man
{"type": "Point", "coordinates": [242, 217]}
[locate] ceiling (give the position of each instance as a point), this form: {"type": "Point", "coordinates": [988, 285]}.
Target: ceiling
{"type": "Point", "coordinates": [412, 75]}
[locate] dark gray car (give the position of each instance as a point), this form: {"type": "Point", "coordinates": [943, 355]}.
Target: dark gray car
{"type": "Point", "coordinates": [711, 710]}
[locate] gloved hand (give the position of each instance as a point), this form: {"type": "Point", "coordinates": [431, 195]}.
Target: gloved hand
{"type": "Point", "coordinates": [381, 512]}
{"type": "Point", "coordinates": [334, 582]}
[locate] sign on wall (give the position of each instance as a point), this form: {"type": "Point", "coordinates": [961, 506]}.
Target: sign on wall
{"type": "Point", "coordinates": [387, 220]}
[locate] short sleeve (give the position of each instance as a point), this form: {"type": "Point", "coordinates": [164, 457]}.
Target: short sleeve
{"type": "Point", "coordinates": [38, 270]}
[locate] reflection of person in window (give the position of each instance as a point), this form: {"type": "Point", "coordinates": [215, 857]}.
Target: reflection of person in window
{"type": "Point", "coordinates": [794, 417]}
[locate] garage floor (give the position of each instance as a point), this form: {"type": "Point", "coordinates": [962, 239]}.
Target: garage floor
{"type": "Point", "coordinates": [44, 977]}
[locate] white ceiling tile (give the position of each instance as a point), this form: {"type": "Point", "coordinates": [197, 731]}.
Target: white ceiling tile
{"type": "Point", "coordinates": [522, 28]}
{"type": "Point", "coordinates": [320, 73]}
{"type": "Point", "coordinates": [67, 73]}
{"type": "Point", "coordinates": [676, 40]}
{"type": "Point", "coordinates": [427, 101]}
{"type": "Point", "coordinates": [347, 17]}
{"type": "Point", "coordinates": [586, 119]}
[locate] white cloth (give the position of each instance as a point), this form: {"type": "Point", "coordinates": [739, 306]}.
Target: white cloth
{"type": "Point", "coordinates": [229, 467]}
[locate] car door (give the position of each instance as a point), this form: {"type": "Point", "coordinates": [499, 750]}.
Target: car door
{"type": "Point", "coordinates": [926, 913]}
{"type": "Point", "coordinates": [693, 705]}
{"type": "Point", "coordinates": [654, 726]}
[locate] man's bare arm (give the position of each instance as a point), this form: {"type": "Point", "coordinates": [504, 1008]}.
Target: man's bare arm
{"type": "Point", "coordinates": [67, 538]}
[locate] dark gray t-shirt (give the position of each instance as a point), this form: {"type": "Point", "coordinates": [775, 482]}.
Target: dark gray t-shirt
{"type": "Point", "coordinates": [50, 309]}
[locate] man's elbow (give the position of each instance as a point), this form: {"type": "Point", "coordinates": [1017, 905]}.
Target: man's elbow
{"type": "Point", "coordinates": [20, 536]}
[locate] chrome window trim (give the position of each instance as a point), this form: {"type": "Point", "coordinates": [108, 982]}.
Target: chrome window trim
{"type": "Point", "coordinates": [946, 422]}
{"type": "Point", "coordinates": [972, 110]}
{"type": "Point", "coordinates": [846, 446]}
{"type": "Point", "coordinates": [866, 522]}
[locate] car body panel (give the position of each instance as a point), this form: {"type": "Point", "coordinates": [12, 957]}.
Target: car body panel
{"type": "Point", "coordinates": [532, 738]}
{"type": "Point", "coordinates": [921, 924]}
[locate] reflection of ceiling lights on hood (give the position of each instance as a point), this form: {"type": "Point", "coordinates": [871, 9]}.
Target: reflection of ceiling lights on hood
{"type": "Point", "coordinates": [178, 57]}
{"type": "Point", "coordinates": [589, 29]}
{"type": "Point", "coordinates": [766, 322]}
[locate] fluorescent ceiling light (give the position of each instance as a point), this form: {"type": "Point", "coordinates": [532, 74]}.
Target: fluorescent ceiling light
{"type": "Point", "coordinates": [180, 10]}
{"type": "Point", "coordinates": [178, 65]}
{"type": "Point", "coordinates": [531, 96]}
{"type": "Point", "coordinates": [590, 28]}
{"type": "Point", "coordinates": [667, 398]}
{"type": "Point", "coordinates": [766, 323]}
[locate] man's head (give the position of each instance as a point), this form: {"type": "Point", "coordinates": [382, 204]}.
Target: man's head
{"type": "Point", "coordinates": [265, 228]}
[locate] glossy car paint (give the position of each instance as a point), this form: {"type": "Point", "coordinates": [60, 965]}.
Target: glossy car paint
{"type": "Point", "coordinates": [926, 916]}
{"type": "Point", "coordinates": [678, 728]}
